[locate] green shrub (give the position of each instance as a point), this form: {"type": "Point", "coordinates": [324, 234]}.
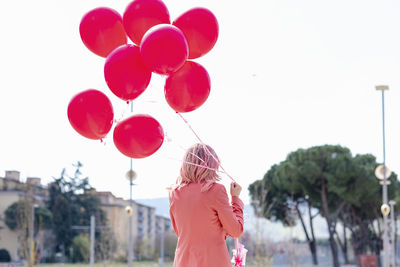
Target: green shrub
{"type": "Point", "coordinates": [4, 255]}
{"type": "Point", "coordinates": [81, 248]}
{"type": "Point", "coordinates": [121, 258]}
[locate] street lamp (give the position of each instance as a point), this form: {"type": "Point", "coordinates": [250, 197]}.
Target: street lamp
{"type": "Point", "coordinates": [392, 203]}
{"type": "Point", "coordinates": [129, 211]}
{"type": "Point", "coordinates": [161, 260]}
{"type": "Point", "coordinates": [32, 231]}
{"type": "Point", "coordinates": [383, 88]}
{"type": "Point", "coordinates": [381, 172]}
{"type": "Point", "coordinates": [130, 175]}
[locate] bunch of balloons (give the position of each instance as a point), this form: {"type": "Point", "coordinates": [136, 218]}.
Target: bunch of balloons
{"type": "Point", "coordinates": [158, 46]}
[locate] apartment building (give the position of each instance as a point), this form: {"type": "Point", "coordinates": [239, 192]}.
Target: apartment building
{"type": "Point", "coordinates": [12, 189]}
{"type": "Point", "coordinates": [144, 224]}
{"type": "Point", "coordinates": [163, 224]}
{"type": "Point", "coordinates": [144, 220]}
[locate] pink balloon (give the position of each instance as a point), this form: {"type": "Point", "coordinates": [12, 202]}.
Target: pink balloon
{"type": "Point", "coordinates": [138, 136]}
{"type": "Point", "coordinates": [101, 30]}
{"type": "Point", "coordinates": [141, 15]}
{"type": "Point", "coordinates": [91, 114]}
{"type": "Point", "coordinates": [164, 49]}
{"type": "Point", "coordinates": [125, 72]}
{"type": "Point", "coordinates": [200, 27]}
{"type": "Point", "coordinates": [188, 88]}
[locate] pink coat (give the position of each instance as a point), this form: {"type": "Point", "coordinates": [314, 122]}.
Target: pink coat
{"type": "Point", "coordinates": [201, 221]}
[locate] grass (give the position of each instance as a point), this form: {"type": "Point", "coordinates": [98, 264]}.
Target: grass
{"type": "Point", "coordinates": [135, 264]}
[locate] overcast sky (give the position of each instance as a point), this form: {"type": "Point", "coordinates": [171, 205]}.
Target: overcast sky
{"type": "Point", "coordinates": [285, 75]}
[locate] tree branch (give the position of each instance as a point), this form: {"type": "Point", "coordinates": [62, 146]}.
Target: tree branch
{"type": "Point", "coordinates": [339, 240]}
{"type": "Point", "coordinates": [302, 221]}
{"type": "Point", "coordinates": [311, 220]}
{"type": "Point", "coordinates": [315, 215]}
{"type": "Point", "coordinates": [337, 211]}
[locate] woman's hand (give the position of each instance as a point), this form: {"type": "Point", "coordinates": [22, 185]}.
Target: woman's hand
{"type": "Point", "coordinates": [235, 189]}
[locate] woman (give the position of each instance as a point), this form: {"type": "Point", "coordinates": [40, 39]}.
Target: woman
{"type": "Point", "coordinates": [200, 211]}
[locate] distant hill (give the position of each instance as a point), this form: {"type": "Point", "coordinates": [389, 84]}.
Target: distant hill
{"type": "Point", "coordinates": [161, 205]}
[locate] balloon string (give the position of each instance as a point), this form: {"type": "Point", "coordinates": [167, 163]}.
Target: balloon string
{"type": "Point", "coordinates": [122, 115]}
{"type": "Point", "coordinates": [129, 103]}
{"type": "Point", "coordinates": [198, 138]}
{"type": "Point", "coordinates": [103, 140]}
{"type": "Point", "coordinates": [194, 164]}
{"type": "Point", "coordinates": [169, 139]}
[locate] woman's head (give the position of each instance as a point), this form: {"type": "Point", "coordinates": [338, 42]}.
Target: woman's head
{"type": "Point", "coordinates": [200, 165]}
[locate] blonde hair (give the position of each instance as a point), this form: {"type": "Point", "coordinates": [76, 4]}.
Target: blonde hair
{"type": "Point", "coordinates": [200, 165]}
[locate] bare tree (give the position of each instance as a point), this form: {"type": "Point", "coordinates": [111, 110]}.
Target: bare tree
{"type": "Point", "coordinates": [23, 227]}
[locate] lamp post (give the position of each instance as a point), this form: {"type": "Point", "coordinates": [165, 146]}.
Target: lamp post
{"type": "Point", "coordinates": [131, 175]}
{"type": "Point", "coordinates": [162, 243]}
{"type": "Point", "coordinates": [31, 226]}
{"type": "Point", "coordinates": [392, 236]}
{"type": "Point", "coordinates": [31, 231]}
{"type": "Point", "coordinates": [383, 88]}
{"type": "Point", "coordinates": [92, 230]}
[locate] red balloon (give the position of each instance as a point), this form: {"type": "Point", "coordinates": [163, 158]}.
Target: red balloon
{"type": "Point", "coordinates": [91, 114]}
{"type": "Point", "coordinates": [125, 72]}
{"type": "Point", "coordinates": [141, 15]}
{"type": "Point", "coordinates": [164, 49]}
{"type": "Point", "coordinates": [188, 88]}
{"type": "Point", "coordinates": [200, 27]}
{"type": "Point", "coordinates": [101, 30]}
{"type": "Point", "coordinates": [138, 136]}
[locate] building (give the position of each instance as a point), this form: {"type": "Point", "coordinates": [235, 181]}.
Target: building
{"type": "Point", "coordinates": [145, 227]}
{"type": "Point", "coordinates": [163, 222]}
{"type": "Point", "coordinates": [117, 218]}
{"type": "Point", "coordinates": [165, 238]}
{"type": "Point", "coordinates": [12, 190]}
{"type": "Point", "coordinates": [144, 219]}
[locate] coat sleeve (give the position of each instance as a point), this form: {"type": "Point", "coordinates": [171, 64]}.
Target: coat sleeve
{"type": "Point", "coordinates": [230, 216]}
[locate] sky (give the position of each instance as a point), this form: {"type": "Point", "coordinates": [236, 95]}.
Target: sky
{"type": "Point", "coordinates": [285, 75]}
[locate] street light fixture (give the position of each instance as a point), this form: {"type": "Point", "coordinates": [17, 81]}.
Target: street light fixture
{"type": "Point", "coordinates": [130, 175]}
{"type": "Point", "coordinates": [128, 211]}
{"type": "Point", "coordinates": [385, 209]}
{"type": "Point", "coordinates": [387, 182]}
{"type": "Point", "coordinates": [382, 171]}
{"type": "Point", "coordinates": [383, 88]}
